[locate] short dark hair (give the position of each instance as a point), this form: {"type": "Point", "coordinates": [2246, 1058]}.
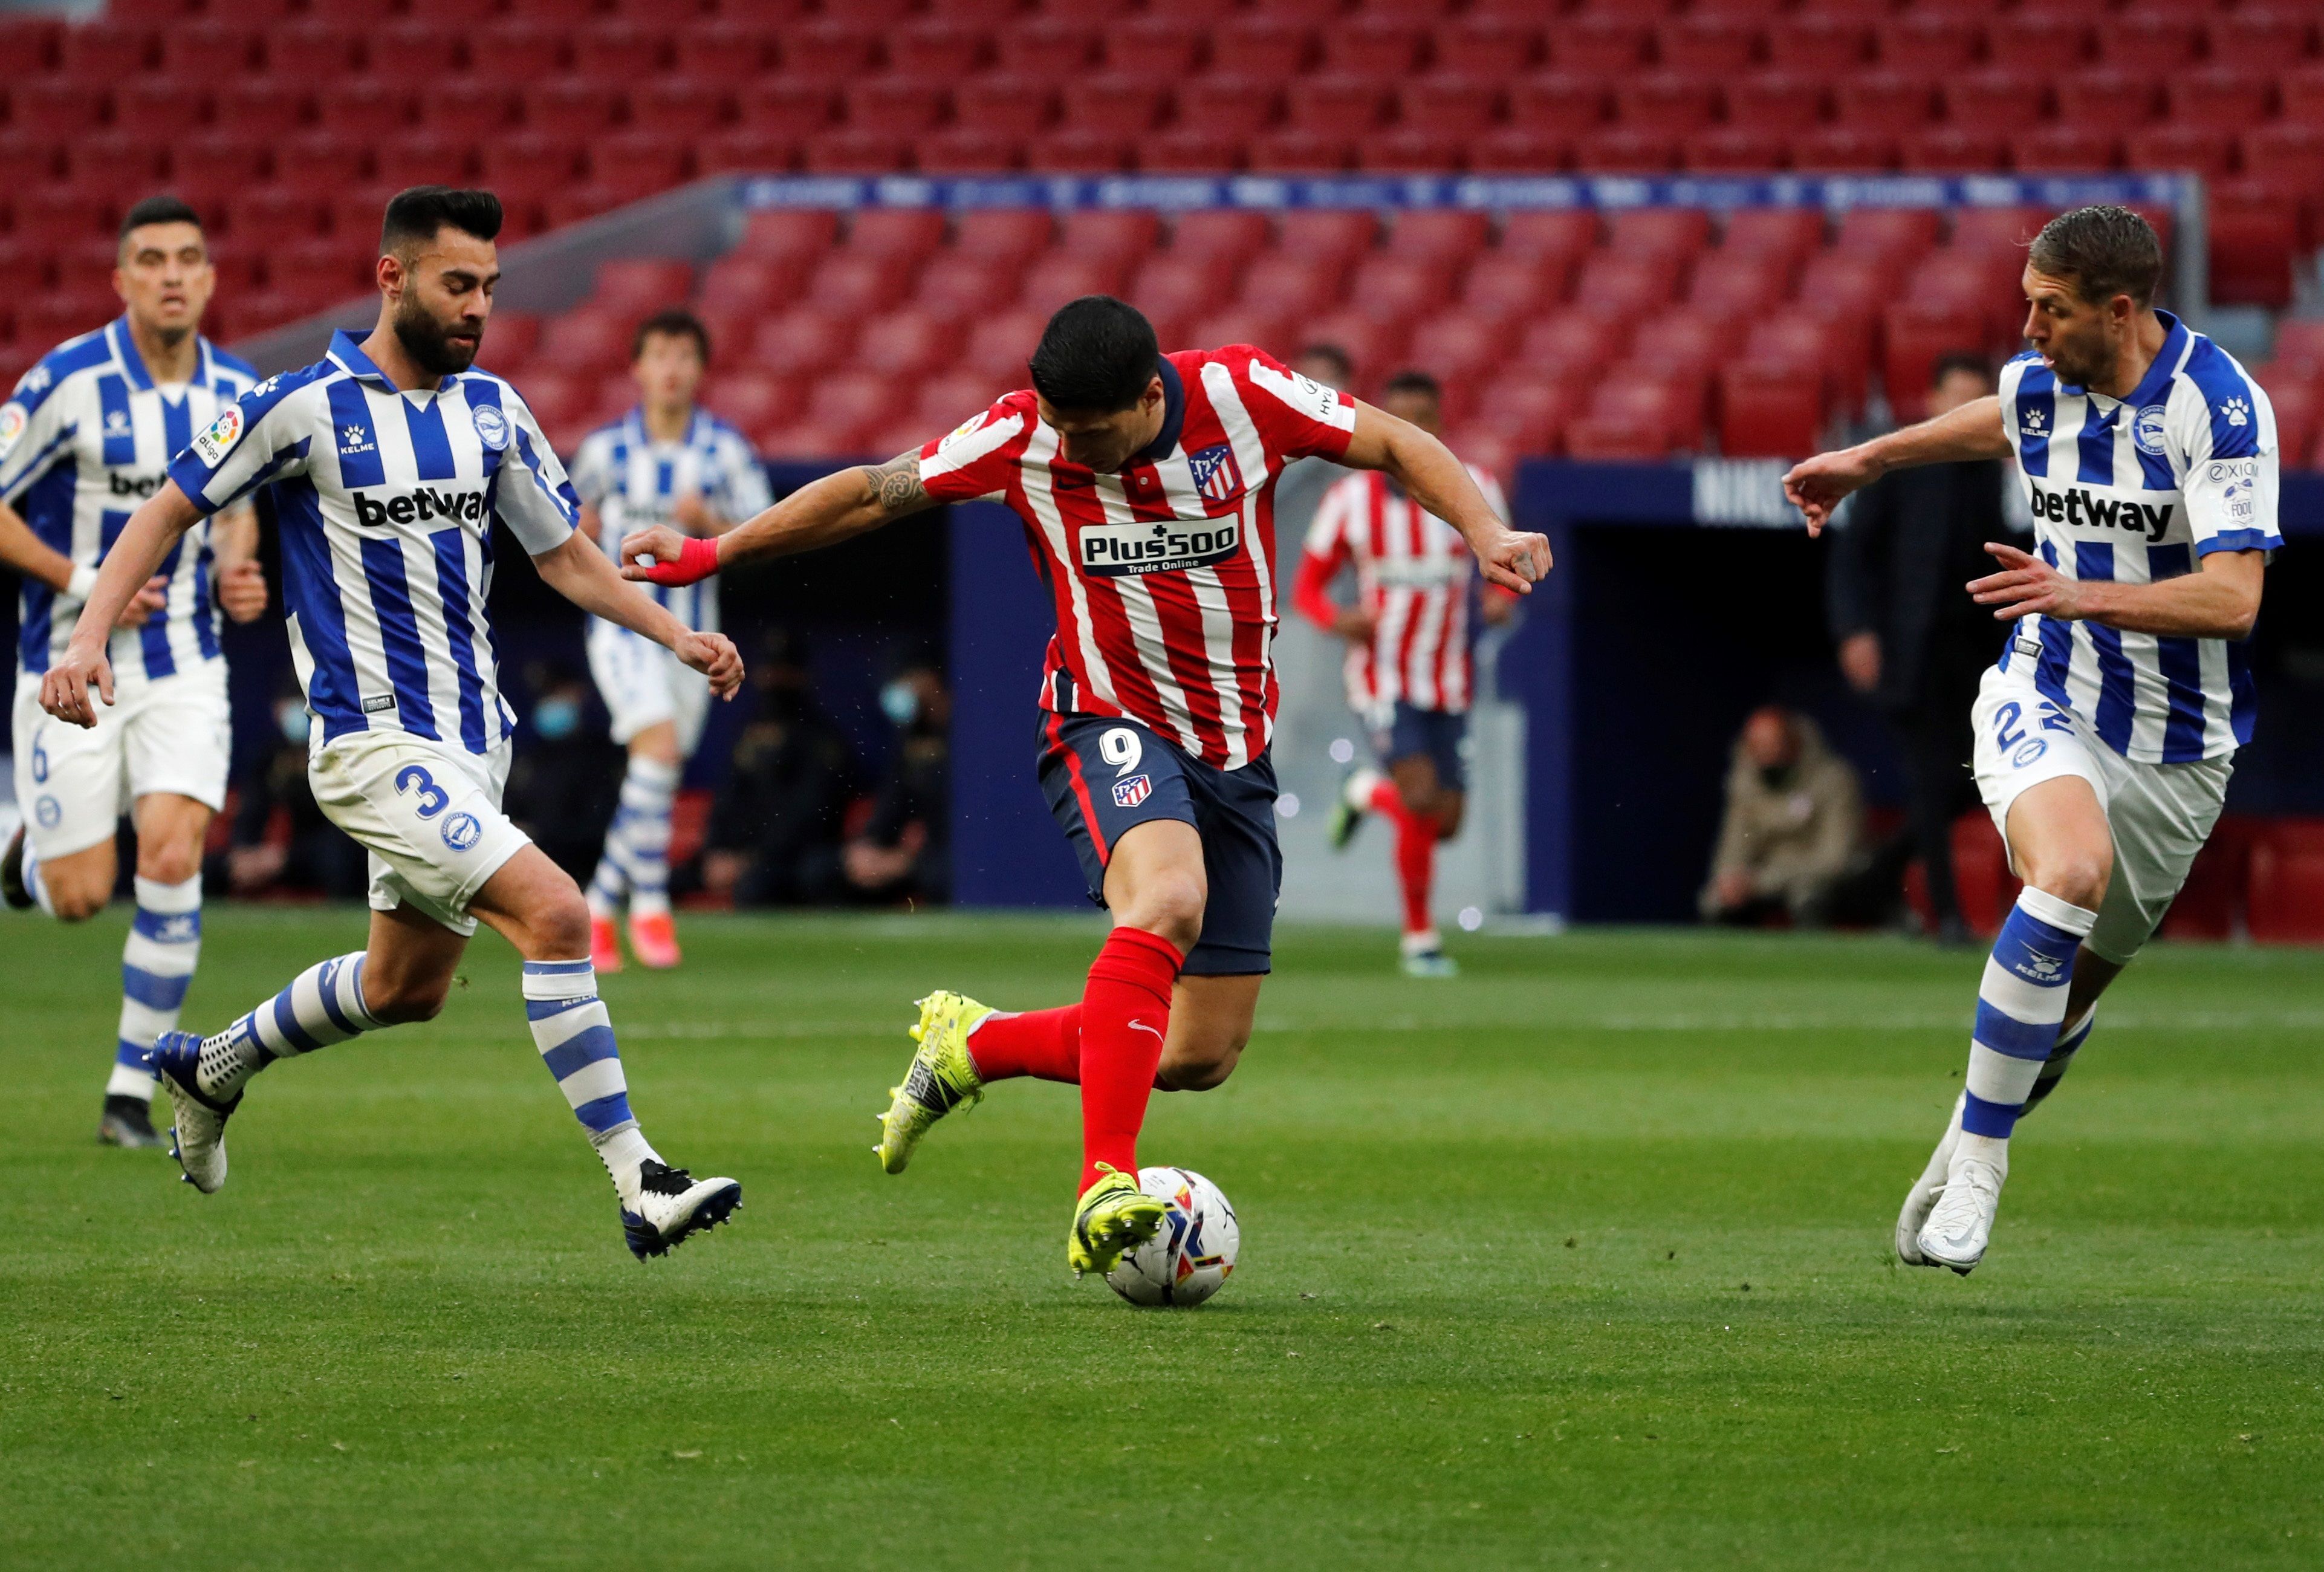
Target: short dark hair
{"type": "Point", "coordinates": [420, 213]}
{"type": "Point", "coordinates": [1975, 364]}
{"type": "Point", "coordinates": [1095, 356]}
{"type": "Point", "coordinates": [162, 209]}
{"type": "Point", "coordinates": [2106, 250]}
{"type": "Point", "coordinates": [1413, 382]}
{"type": "Point", "coordinates": [672, 322]}
{"type": "Point", "coordinates": [1335, 353]}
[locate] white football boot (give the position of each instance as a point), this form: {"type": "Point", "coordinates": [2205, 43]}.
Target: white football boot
{"type": "Point", "coordinates": [673, 1206]}
{"type": "Point", "coordinates": [1922, 1198]}
{"type": "Point", "coordinates": [197, 1134]}
{"type": "Point", "coordinates": [1961, 1222]}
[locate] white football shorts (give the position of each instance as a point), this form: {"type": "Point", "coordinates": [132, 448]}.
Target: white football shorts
{"type": "Point", "coordinates": [2160, 814]}
{"type": "Point", "coordinates": [429, 814]}
{"type": "Point", "coordinates": [643, 685]}
{"type": "Point", "coordinates": [169, 733]}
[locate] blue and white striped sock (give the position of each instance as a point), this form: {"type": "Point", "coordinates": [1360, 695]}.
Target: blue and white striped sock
{"type": "Point", "coordinates": [639, 838]}
{"type": "Point", "coordinates": [2070, 1038]}
{"type": "Point", "coordinates": [575, 1038]}
{"type": "Point", "coordinates": [35, 885]}
{"type": "Point", "coordinates": [324, 1004]}
{"type": "Point", "coordinates": [2021, 1005]}
{"type": "Point", "coordinates": [157, 966]}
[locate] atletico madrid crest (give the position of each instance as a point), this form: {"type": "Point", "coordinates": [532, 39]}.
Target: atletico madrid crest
{"type": "Point", "coordinates": [1130, 792]}
{"type": "Point", "coordinates": [1216, 479]}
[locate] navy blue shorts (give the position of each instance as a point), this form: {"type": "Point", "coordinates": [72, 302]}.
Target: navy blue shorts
{"type": "Point", "coordinates": [1104, 776]}
{"type": "Point", "coordinates": [1438, 733]}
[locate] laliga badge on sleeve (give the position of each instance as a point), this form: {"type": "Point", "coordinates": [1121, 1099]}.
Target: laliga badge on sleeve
{"type": "Point", "coordinates": [11, 426]}
{"type": "Point", "coordinates": [218, 438]}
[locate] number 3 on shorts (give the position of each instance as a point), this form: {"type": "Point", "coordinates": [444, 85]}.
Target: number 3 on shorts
{"type": "Point", "coordinates": [1120, 747]}
{"type": "Point", "coordinates": [433, 799]}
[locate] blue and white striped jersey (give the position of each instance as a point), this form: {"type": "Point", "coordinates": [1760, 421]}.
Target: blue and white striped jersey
{"type": "Point", "coordinates": [2138, 490]}
{"type": "Point", "coordinates": [385, 501]}
{"type": "Point", "coordinates": [632, 480]}
{"type": "Point", "coordinates": [87, 437]}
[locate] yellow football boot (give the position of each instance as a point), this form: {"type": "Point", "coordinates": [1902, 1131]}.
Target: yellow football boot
{"type": "Point", "coordinates": [1112, 1215]}
{"type": "Point", "coordinates": [940, 1078]}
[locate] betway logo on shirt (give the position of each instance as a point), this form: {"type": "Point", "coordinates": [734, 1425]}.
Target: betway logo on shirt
{"type": "Point", "coordinates": [377, 508]}
{"type": "Point", "coordinates": [1163, 546]}
{"type": "Point", "coordinates": [2085, 509]}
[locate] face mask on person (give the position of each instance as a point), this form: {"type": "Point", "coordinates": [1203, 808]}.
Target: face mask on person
{"type": "Point", "coordinates": [556, 718]}
{"type": "Point", "coordinates": [900, 703]}
{"type": "Point", "coordinates": [292, 717]}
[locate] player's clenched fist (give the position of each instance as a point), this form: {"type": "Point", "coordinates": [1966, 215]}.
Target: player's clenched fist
{"type": "Point", "coordinates": [662, 555]}
{"type": "Point", "coordinates": [1816, 485]}
{"type": "Point", "coordinates": [65, 691]}
{"type": "Point", "coordinates": [1514, 559]}
{"type": "Point", "coordinates": [241, 592]}
{"type": "Point", "coordinates": [714, 656]}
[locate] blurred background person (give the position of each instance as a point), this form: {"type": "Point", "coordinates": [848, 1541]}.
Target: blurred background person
{"type": "Point", "coordinates": [904, 850]}
{"type": "Point", "coordinates": [1793, 829]}
{"type": "Point", "coordinates": [566, 776]}
{"type": "Point", "coordinates": [776, 825]}
{"type": "Point", "coordinates": [668, 461]}
{"type": "Point", "coordinates": [1304, 481]}
{"type": "Point", "coordinates": [280, 841]}
{"type": "Point", "coordinates": [1910, 638]}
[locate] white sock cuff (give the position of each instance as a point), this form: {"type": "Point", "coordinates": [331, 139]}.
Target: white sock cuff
{"type": "Point", "coordinates": [170, 900]}
{"type": "Point", "coordinates": [559, 979]}
{"type": "Point", "coordinates": [1361, 785]}
{"type": "Point", "coordinates": [2075, 919]}
{"type": "Point", "coordinates": [653, 772]}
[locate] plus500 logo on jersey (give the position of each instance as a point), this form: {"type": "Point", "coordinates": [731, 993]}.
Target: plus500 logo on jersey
{"type": "Point", "coordinates": [1112, 550]}
{"type": "Point", "coordinates": [424, 505]}
{"type": "Point", "coordinates": [2074, 506]}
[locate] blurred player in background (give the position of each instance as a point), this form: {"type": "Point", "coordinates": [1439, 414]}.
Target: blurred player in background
{"type": "Point", "coordinates": [2105, 734]}
{"type": "Point", "coordinates": [666, 462]}
{"type": "Point", "coordinates": [1409, 669]}
{"type": "Point", "coordinates": [388, 459]}
{"type": "Point", "coordinates": [1145, 483]}
{"type": "Point", "coordinates": [87, 436]}
{"type": "Point", "coordinates": [1300, 491]}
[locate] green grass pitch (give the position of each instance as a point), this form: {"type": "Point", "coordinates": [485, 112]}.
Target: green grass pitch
{"type": "Point", "coordinates": [1581, 1261]}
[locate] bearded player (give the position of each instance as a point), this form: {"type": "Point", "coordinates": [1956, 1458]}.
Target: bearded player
{"type": "Point", "coordinates": [1145, 484]}
{"type": "Point", "coordinates": [2105, 734]}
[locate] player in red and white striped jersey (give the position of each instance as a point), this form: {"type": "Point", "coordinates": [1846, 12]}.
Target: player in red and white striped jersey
{"type": "Point", "coordinates": [1145, 484]}
{"type": "Point", "coordinates": [1410, 670]}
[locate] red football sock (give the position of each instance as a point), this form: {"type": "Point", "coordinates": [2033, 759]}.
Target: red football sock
{"type": "Point", "coordinates": [1046, 1044]}
{"type": "Point", "coordinates": [1387, 803]}
{"type": "Point", "coordinates": [1125, 1018]}
{"type": "Point", "coordinates": [1415, 867]}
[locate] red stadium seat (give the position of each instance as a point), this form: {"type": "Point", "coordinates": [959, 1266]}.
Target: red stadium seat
{"type": "Point", "coordinates": [1844, 149]}
{"type": "Point", "coordinates": [1289, 282]}
{"type": "Point", "coordinates": [513, 49]}
{"type": "Point", "coordinates": [1622, 151]}
{"type": "Point", "coordinates": [1176, 286]}
{"type": "Point", "coordinates": [356, 108]}
{"type": "Point", "coordinates": [1557, 104]}
{"type": "Point", "coordinates": [576, 203]}
{"type": "Point", "coordinates": [1506, 286]}
{"type": "Point", "coordinates": [1687, 340]}
{"type": "Point", "coordinates": [2296, 403]}
{"type": "Point", "coordinates": [1116, 106]}
{"type": "Point", "coordinates": [791, 236]}
{"type": "Point", "coordinates": [1734, 150]}
{"type": "Point", "coordinates": [1061, 276]}
{"type": "Point", "coordinates": [2034, 43]}
{"type": "Point", "coordinates": [1117, 236]}
{"type": "Point", "coordinates": [853, 404]}
{"type": "Point", "coordinates": [1229, 105]}
{"type": "Point", "coordinates": [570, 108]}
{"type": "Point", "coordinates": [472, 111]}
{"type": "Point", "coordinates": [1494, 46]}
{"type": "Point", "coordinates": [958, 149]}
{"type": "Point", "coordinates": [731, 53]}
{"type": "Point", "coordinates": [1269, 330]}
{"type": "Point", "coordinates": [2300, 341]}
{"type": "Point", "coordinates": [1159, 48]}
{"type": "Point", "coordinates": [583, 342]}
{"type": "Point", "coordinates": [1679, 232]}
{"type": "Point", "coordinates": [1387, 288]}
{"type": "Point", "coordinates": [1374, 46]}
{"type": "Point", "coordinates": [412, 51]}
{"type": "Point", "coordinates": [115, 167]}
{"type": "Point", "coordinates": [1453, 105]}
{"type": "Point", "coordinates": [1616, 280]}
{"type": "Point", "coordinates": [267, 217]}
{"type": "Point", "coordinates": [208, 50]}
{"type": "Point", "coordinates": [2064, 149]}
{"type": "Point", "coordinates": [1913, 335]}
{"type": "Point", "coordinates": [855, 152]}
{"type": "Point", "coordinates": [2227, 99]}
{"type": "Point", "coordinates": [1009, 235]}
{"type": "Point", "coordinates": [1893, 102]}
{"type": "Point", "coordinates": [803, 341]}
{"type": "Point", "coordinates": [58, 107]}
{"type": "Point", "coordinates": [678, 107]}
{"type": "Point", "coordinates": [1619, 437]}
{"type": "Point", "coordinates": [532, 165]}
{"type": "Point", "coordinates": [795, 109]}
{"type": "Point", "coordinates": [1455, 233]}
{"type": "Point", "coordinates": [1708, 45]}
{"type": "Point", "coordinates": [755, 402]}
{"type": "Point", "coordinates": [859, 286]}
{"type": "Point", "coordinates": [640, 286]}
{"type": "Point", "coordinates": [1784, 233]}
{"type": "Point", "coordinates": [2259, 38]}
{"type": "Point", "coordinates": [28, 44]}
{"type": "Point", "coordinates": [999, 346]}
{"type": "Point", "coordinates": [1458, 348]}
{"type": "Point", "coordinates": [1824, 45]}
{"type": "Point", "coordinates": [947, 400]}
{"type": "Point", "coordinates": [1530, 408]}
{"type": "Point", "coordinates": [158, 107]}
{"type": "Point", "coordinates": [1222, 232]}
{"type": "Point", "coordinates": [1805, 337]}
{"type": "Point", "coordinates": [894, 105]}
{"type": "Point", "coordinates": [1741, 284]}
{"type": "Point", "coordinates": [1262, 46]}
{"type": "Point", "coordinates": [1665, 102]}
{"type": "Point", "coordinates": [422, 159]}
{"type": "Point", "coordinates": [1180, 150]}
{"type": "Point", "coordinates": [1406, 149]}
{"type": "Point", "coordinates": [739, 283]}
{"type": "Point", "coordinates": [2194, 149]}
{"type": "Point", "coordinates": [1776, 101]}
{"type": "Point", "coordinates": [1051, 49]}
{"type": "Point", "coordinates": [103, 51]}
{"type": "Point", "coordinates": [312, 49]}
{"type": "Point", "coordinates": [1769, 411]}
{"type": "Point", "coordinates": [1334, 236]}
{"type": "Point", "coordinates": [1896, 235]}
{"type": "Point", "coordinates": [2290, 158]}
{"type": "Point", "coordinates": [614, 48]}
{"type": "Point", "coordinates": [1567, 235]}
{"type": "Point", "coordinates": [2111, 100]}
{"type": "Point", "coordinates": [1368, 341]}
{"type": "Point", "coordinates": [913, 233]}
{"type": "Point", "coordinates": [1600, 44]}
{"type": "Point", "coordinates": [2004, 231]}
{"type": "Point", "coordinates": [1926, 43]}
{"type": "Point", "coordinates": [1009, 106]}
{"type": "Point", "coordinates": [1335, 106]}
{"type": "Point", "coordinates": [832, 50]}
{"type": "Point", "coordinates": [2286, 894]}
{"type": "Point", "coordinates": [909, 343]}
{"type": "Point", "coordinates": [1995, 102]}
{"type": "Point", "coordinates": [740, 150]}
{"type": "Point", "coordinates": [1512, 151]}
{"type": "Point", "coordinates": [1956, 150]}
{"type": "Point", "coordinates": [2150, 38]}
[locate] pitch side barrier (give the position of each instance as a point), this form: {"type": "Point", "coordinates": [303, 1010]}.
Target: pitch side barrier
{"type": "Point", "coordinates": [1686, 594]}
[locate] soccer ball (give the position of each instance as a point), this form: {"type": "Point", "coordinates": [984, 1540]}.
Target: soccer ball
{"type": "Point", "coordinates": [1188, 1258]}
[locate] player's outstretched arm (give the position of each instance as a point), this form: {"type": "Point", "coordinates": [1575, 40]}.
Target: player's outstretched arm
{"type": "Point", "coordinates": [1974, 430]}
{"type": "Point", "coordinates": [1440, 484]}
{"type": "Point", "coordinates": [580, 572]}
{"type": "Point", "coordinates": [157, 525]}
{"type": "Point", "coordinates": [820, 514]}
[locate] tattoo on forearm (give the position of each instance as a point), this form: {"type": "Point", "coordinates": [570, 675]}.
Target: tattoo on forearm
{"type": "Point", "coordinates": [897, 483]}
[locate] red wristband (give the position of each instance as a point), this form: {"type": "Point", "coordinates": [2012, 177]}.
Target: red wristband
{"type": "Point", "coordinates": [697, 559]}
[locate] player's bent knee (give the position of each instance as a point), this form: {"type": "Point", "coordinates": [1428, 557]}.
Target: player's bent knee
{"type": "Point", "coordinates": [1201, 1066]}
{"type": "Point", "coordinates": [169, 865]}
{"type": "Point", "coordinates": [406, 1001]}
{"type": "Point", "coordinates": [1169, 905]}
{"type": "Point", "coordinates": [77, 903]}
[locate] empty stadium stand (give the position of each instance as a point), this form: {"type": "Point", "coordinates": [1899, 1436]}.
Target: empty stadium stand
{"type": "Point", "coordinates": [290, 122]}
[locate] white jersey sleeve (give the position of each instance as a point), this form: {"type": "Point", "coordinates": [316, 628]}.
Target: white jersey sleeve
{"type": "Point", "coordinates": [2222, 436]}
{"type": "Point", "coordinates": [37, 426]}
{"type": "Point", "coordinates": [533, 498]}
{"type": "Point", "coordinates": [593, 468]}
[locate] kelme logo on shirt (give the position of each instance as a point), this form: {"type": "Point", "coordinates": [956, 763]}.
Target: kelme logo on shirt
{"type": "Point", "coordinates": [218, 438]}
{"type": "Point", "coordinates": [1114, 551]}
{"type": "Point", "coordinates": [423, 505]}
